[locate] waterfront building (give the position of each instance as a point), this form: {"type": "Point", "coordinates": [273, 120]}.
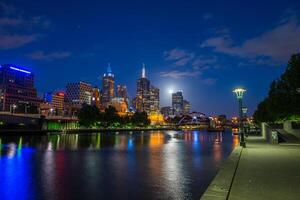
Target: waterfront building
{"type": "Point", "coordinates": [79, 93]}
{"type": "Point", "coordinates": [122, 93]}
{"type": "Point", "coordinates": [119, 104]}
{"type": "Point", "coordinates": [56, 100]}
{"type": "Point", "coordinates": [108, 87]}
{"type": "Point", "coordinates": [142, 99]}
{"type": "Point", "coordinates": [96, 97]}
{"type": "Point", "coordinates": [186, 107]}
{"type": "Point", "coordinates": [17, 91]}
{"type": "Point", "coordinates": [177, 103]}
{"type": "Point", "coordinates": [154, 99]}
{"type": "Point", "coordinates": [166, 111]}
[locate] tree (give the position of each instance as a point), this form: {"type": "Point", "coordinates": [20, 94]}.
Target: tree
{"type": "Point", "coordinates": [284, 95]}
{"type": "Point", "coordinates": [88, 115]}
{"type": "Point", "coordinates": [140, 119]}
{"type": "Point", "coordinates": [111, 116]}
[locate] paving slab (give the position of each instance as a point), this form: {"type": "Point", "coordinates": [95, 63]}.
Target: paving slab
{"type": "Point", "coordinates": [267, 171]}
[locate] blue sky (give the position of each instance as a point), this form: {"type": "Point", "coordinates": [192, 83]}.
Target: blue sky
{"type": "Point", "coordinates": [205, 48]}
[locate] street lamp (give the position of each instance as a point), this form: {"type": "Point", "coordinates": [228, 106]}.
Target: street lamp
{"type": "Point", "coordinates": [51, 111]}
{"type": "Point", "coordinates": [239, 94]}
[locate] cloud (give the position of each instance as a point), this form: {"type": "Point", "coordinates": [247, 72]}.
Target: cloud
{"type": "Point", "coordinates": [209, 81]}
{"type": "Point", "coordinates": [180, 57]}
{"type": "Point", "coordinates": [204, 62]}
{"type": "Point", "coordinates": [179, 74]}
{"type": "Point", "coordinates": [40, 55]}
{"type": "Point", "coordinates": [5, 21]}
{"type": "Point", "coordinates": [14, 41]}
{"type": "Point", "coordinates": [277, 43]}
{"type": "Point", "coordinates": [17, 29]}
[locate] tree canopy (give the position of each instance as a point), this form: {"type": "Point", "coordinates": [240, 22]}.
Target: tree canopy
{"type": "Point", "coordinates": [283, 100]}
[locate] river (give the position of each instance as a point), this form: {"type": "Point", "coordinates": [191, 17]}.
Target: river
{"type": "Point", "coordinates": [125, 165]}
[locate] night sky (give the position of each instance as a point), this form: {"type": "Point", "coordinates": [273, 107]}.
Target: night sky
{"type": "Point", "coordinates": [205, 48]}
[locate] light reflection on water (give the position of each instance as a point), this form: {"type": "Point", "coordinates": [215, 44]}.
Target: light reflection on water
{"type": "Point", "coordinates": [148, 165]}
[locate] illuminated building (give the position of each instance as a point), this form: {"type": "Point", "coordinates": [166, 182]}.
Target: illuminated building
{"type": "Point", "coordinates": [154, 99]}
{"type": "Point", "coordinates": [119, 104]}
{"type": "Point", "coordinates": [166, 111]}
{"type": "Point", "coordinates": [177, 103]}
{"type": "Point", "coordinates": [79, 93]}
{"type": "Point", "coordinates": [17, 90]}
{"type": "Point", "coordinates": [156, 118]}
{"type": "Point", "coordinates": [142, 99]}
{"type": "Point", "coordinates": [122, 92]}
{"type": "Point", "coordinates": [96, 98]}
{"type": "Point", "coordinates": [108, 85]}
{"type": "Point", "coordinates": [186, 107]}
{"type": "Point", "coordinates": [56, 100]}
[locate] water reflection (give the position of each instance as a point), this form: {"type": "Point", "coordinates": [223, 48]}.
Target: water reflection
{"type": "Point", "coordinates": [148, 165]}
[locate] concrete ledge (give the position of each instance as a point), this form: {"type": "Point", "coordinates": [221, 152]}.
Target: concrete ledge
{"type": "Point", "coordinates": [220, 186]}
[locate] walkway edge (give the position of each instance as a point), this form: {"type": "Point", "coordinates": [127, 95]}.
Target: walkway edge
{"type": "Point", "coordinates": [220, 186]}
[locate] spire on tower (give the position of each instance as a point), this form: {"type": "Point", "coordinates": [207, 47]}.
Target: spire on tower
{"type": "Point", "coordinates": [143, 71]}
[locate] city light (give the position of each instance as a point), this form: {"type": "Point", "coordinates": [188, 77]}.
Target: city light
{"type": "Point", "coordinates": [239, 92]}
{"type": "Point", "coordinates": [20, 70]}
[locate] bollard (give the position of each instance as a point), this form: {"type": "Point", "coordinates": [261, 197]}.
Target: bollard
{"type": "Point", "coordinates": [274, 137]}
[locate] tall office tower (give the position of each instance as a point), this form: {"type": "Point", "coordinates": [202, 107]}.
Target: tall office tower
{"type": "Point", "coordinates": [108, 85]}
{"type": "Point", "coordinates": [79, 93]}
{"type": "Point", "coordinates": [154, 99]}
{"type": "Point", "coordinates": [56, 100]}
{"type": "Point", "coordinates": [122, 93]}
{"type": "Point", "coordinates": [142, 100]}
{"type": "Point", "coordinates": [177, 103]}
{"type": "Point", "coordinates": [17, 90]}
{"type": "Point", "coordinates": [186, 107]}
{"type": "Point", "coordinates": [96, 97]}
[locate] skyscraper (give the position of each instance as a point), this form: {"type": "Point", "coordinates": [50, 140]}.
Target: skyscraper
{"type": "Point", "coordinates": [142, 100]}
{"type": "Point", "coordinates": [177, 103]}
{"type": "Point", "coordinates": [108, 87]}
{"type": "Point", "coordinates": [186, 107]}
{"type": "Point", "coordinates": [154, 99]}
{"type": "Point", "coordinates": [96, 98]}
{"type": "Point", "coordinates": [79, 93]}
{"type": "Point", "coordinates": [17, 90]}
{"type": "Point", "coordinates": [122, 93]}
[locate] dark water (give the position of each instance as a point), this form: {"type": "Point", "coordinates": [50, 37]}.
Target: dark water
{"type": "Point", "coordinates": [141, 165]}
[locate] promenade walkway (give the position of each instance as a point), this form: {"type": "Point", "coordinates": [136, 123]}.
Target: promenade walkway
{"type": "Point", "coordinates": [263, 171]}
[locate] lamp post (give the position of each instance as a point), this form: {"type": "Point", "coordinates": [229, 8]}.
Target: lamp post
{"type": "Point", "coordinates": [239, 94]}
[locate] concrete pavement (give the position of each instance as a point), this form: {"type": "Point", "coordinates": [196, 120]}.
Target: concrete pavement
{"type": "Point", "coordinates": [260, 171]}
{"type": "Point", "coordinates": [267, 172]}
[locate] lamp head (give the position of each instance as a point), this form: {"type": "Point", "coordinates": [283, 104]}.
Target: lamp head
{"type": "Point", "coordinates": [239, 92]}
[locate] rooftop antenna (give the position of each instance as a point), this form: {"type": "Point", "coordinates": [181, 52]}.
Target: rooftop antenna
{"type": "Point", "coordinates": [143, 71]}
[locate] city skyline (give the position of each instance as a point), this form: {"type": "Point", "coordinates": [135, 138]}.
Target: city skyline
{"type": "Point", "coordinates": [209, 50]}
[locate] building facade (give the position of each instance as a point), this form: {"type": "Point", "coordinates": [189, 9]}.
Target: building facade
{"type": "Point", "coordinates": [108, 87]}
{"type": "Point", "coordinates": [96, 97]}
{"type": "Point", "coordinates": [17, 91]}
{"type": "Point", "coordinates": [119, 104]}
{"type": "Point", "coordinates": [142, 99]}
{"type": "Point", "coordinates": [177, 103]}
{"type": "Point", "coordinates": [154, 99]}
{"type": "Point", "coordinates": [56, 100]}
{"type": "Point", "coordinates": [186, 107]}
{"type": "Point", "coordinates": [79, 93]}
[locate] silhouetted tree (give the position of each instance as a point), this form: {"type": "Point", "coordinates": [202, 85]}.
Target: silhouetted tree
{"type": "Point", "coordinates": [140, 119]}
{"type": "Point", "coordinates": [284, 95]}
{"type": "Point", "coordinates": [88, 115]}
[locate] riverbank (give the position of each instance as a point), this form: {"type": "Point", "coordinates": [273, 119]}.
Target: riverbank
{"type": "Point", "coordinates": [262, 171]}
